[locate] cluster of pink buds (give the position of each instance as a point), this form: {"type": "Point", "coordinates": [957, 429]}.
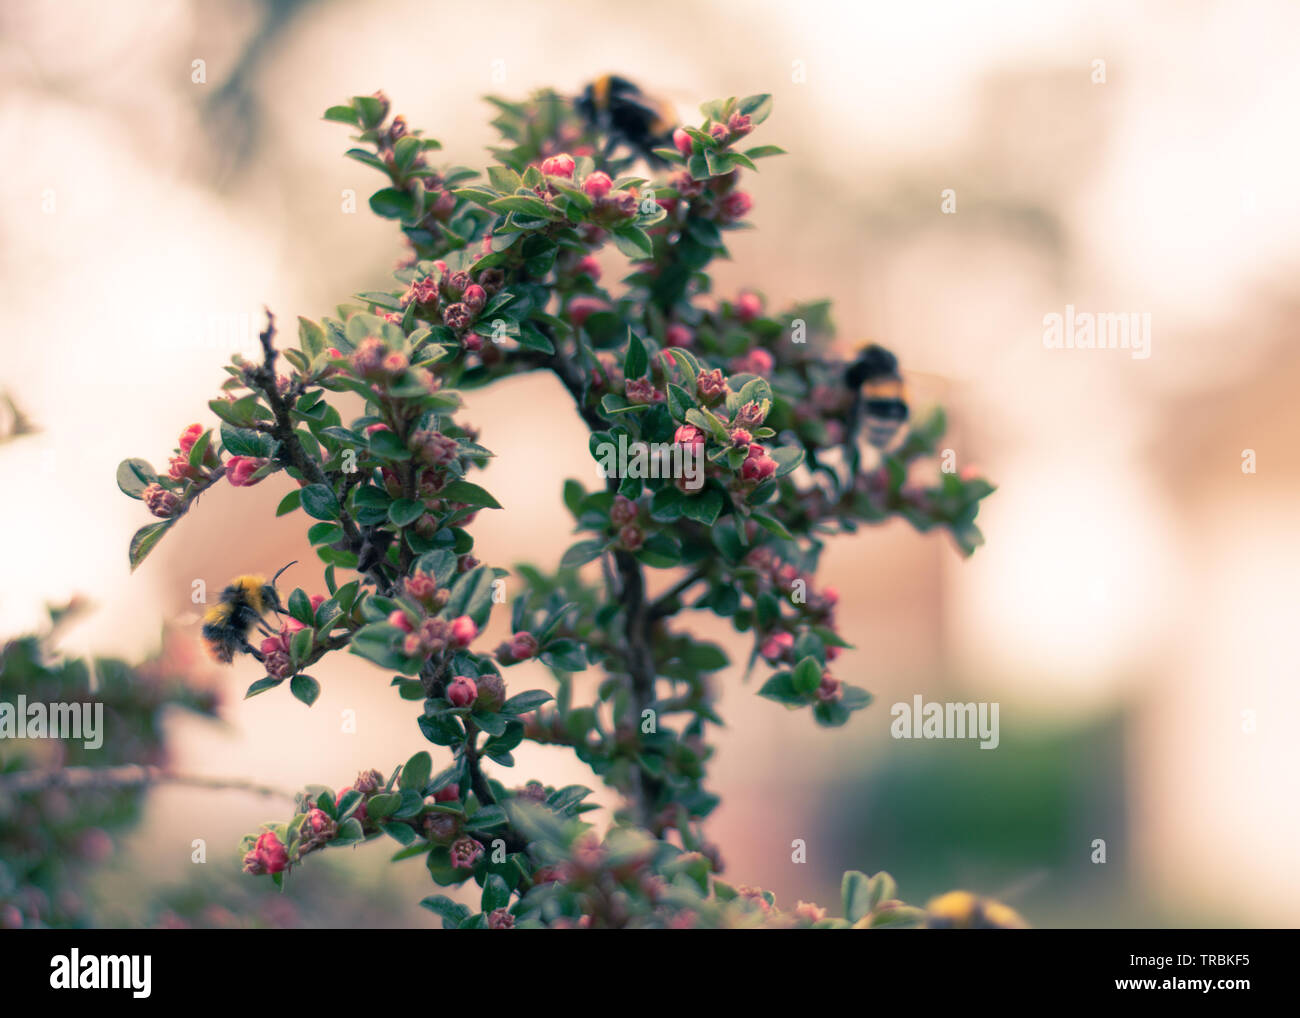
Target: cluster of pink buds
{"type": "Point", "coordinates": [829, 689]}
{"type": "Point", "coordinates": [711, 386]}
{"type": "Point", "coordinates": [465, 852]}
{"type": "Point", "coordinates": [690, 436]}
{"type": "Point", "coordinates": [758, 465]}
{"type": "Point", "coordinates": [161, 502]}
{"type": "Point", "coordinates": [367, 783]}
{"type": "Point", "coordinates": [267, 856]}
{"type": "Point", "coordinates": [317, 828]}
{"type": "Point", "coordinates": [520, 647]}
{"type": "Point", "coordinates": [643, 392]}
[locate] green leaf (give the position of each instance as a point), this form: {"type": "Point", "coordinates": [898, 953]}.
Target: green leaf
{"type": "Point", "coordinates": [486, 818]}
{"type": "Point", "coordinates": [304, 687]}
{"type": "Point", "coordinates": [416, 771]}
{"type": "Point", "coordinates": [319, 503]}
{"type": "Point", "coordinates": [145, 539]}
{"type": "Point", "coordinates": [781, 689]}
{"type": "Point", "coordinates": [261, 686]}
{"type": "Point", "coordinates": [763, 151]}
{"type": "Point", "coordinates": [632, 242]}
{"type": "Point", "coordinates": [452, 913]}
{"type": "Point", "coordinates": [807, 675]}
{"type": "Point", "coordinates": [636, 362]}
{"type": "Point", "coordinates": [855, 893]}
{"type": "Point", "coordinates": [406, 511]}
{"type": "Point", "coordinates": [496, 893]}
{"type": "Point", "coordinates": [565, 655]}
{"type": "Point", "coordinates": [582, 552]}
{"type": "Point", "coordinates": [523, 703]}
{"type": "Point", "coordinates": [472, 595]}
{"type": "Point", "coordinates": [300, 607]}
{"type": "Point", "coordinates": [757, 107]}
{"type": "Point", "coordinates": [772, 525]}
{"type": "Point", "coordinates": [471, 494]}
{"type": "Point", "coordinates": [703, 508]}
{"type": "Point", "coordinates": [401, 833]}
{"type": "Point", "coordinates": [529, 206]}
{"type": "Point", "coordinates": [343, 115]}
{"type": "Point", "coordinates": [311, 337]}
{"type": "Point", "coordinates": [381, 805]}
{"type": "Point", "coordinates": [134, 475]}
{"type": "Point", "coordinates": [787, 458]}
{"type": "Point", "coordinates": [392, 204]}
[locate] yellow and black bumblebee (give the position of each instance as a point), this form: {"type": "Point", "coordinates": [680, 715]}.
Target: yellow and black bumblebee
{"type": "Point", "coordinates": [961, 910]}
{"type": "Point", "coordinates": [627, 116]}
{"type": "Point", "coordinates": [879, 407]}
{"type": "Point", "coordinates": [243, 603]}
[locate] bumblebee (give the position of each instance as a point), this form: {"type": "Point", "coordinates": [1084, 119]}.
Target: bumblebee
{"type": "Point", "coordinates": [628, 116]}
{"type": "Point", "coordinates": [879, 406]}
{"type": "Point", "coordinates": [243, 603]}
{"type": "Point", "coordinates": [961, 910]}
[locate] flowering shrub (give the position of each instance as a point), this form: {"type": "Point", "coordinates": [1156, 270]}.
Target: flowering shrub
{"type": "Point", "coordinates": [502, 278]}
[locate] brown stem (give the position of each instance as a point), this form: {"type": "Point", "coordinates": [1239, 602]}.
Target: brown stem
{"type": "Point", "coordinates": [124, 776]}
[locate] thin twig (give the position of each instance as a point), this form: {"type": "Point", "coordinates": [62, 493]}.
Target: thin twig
{"type": "Point", "coordinates": [125, 776]}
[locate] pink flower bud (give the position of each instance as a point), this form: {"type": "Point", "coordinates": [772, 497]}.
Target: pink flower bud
{"type": "Point", "coordinates": [491, 692]}
{"type": "Point", "coordinates": [463, 631]}
{"type": "Point", "coordinates": [597, 185]}
{"type": "Point", "coordinates": [739, 125]}
{"type": "Point", "coordinates": [179, 469]}
{"type": "Point", "coordinates": [240, 469]}
{"type": "Point", "coordinates": [623, 511]}
{"type": "Point", "coordinates": [735, 206]}
{"type": "Point", "coordinates": [582, 308]}
{"type": "Point", "coordinates": [161, 502]}
{"type": "Point", "coordinates": [678, 335]}
{"type": "Point", "coordinates": [399, 619]}
{"type": "Point", "coordinates": [643, 391]}
{"type": "Point", "coordinates": [758, 466]}
{"type": "Point", "coordinates": [273, 645]}
{"type": "Point", "coordinates": [777, 646]}
{"type": "Point", "coordinates": [739, 436]}
{"type": "Point", "coordinates": [718, 132]}
{"type": "Point", "coordinates": [447, 793]}
{"type": "Point", "coordinates": [457, 316]}
{"type": "Point", "coordinates": [279, 665]}
{"type": "Point", "coordinates": [689, 435]}
{"type": "Point", "coordinates": [462, 691]}
{"type": "Point", "coordinates": [748, 306]}
{"type": "Point", "coordinates": [589, 267]}
{"type": "Point", "coordinates": [368, 358]}
{"type": "Point", "coordinates": [465, 852]}
{"type": "Point", "coordinates": [829, 689]}
{"type": "Point", "coordinates": [711, 385]}
{"type": "Point", "coordinates": [559, 165]}
{"type": "Point", "coordinates": [474, 297]}
{"type": "Point", "coordinates": [268, 855]}
{"type": "Point", "coordinates": [685, 144]}
{"type": "Point", "coordinates": [749, 416]}
{"type": "Point", "coordinates": [523, 646]}
{"type": "Point", "coordinates": [757, 362]}
{"type": "Point", "coordinates": [189, 436]}
{"type": "Point", "coordinates": [631, 537]}
{"type": "Point", "coordinates": [500, 919]}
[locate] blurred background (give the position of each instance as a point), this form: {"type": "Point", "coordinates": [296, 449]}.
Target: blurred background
{"type": "Point", "coordinates": [167, 174]}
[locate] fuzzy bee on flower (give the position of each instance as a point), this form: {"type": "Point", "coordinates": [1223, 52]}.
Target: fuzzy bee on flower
{"type": "Point", "coordinates": [627, 116]}
{"type": "Point", "coordinates": [879, 408]}
{"type": "Point", "coordinates": [242, 605]}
